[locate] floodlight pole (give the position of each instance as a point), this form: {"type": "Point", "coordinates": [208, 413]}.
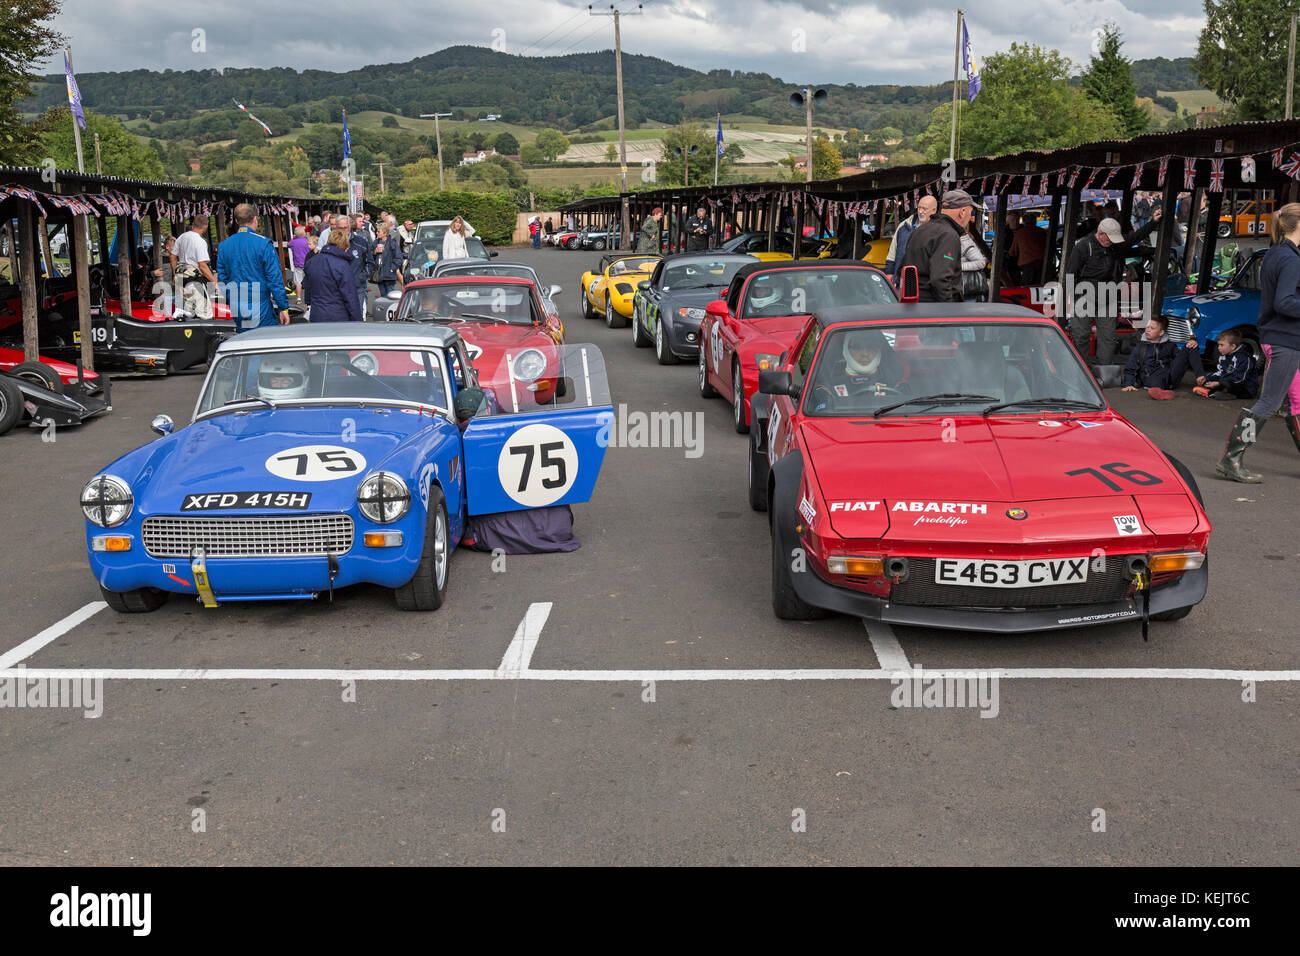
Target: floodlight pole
{"type": "Point", "coordinates": [1290, 69]}
{"type": "Point", "coordinates": [956, 65]}
{"type": "Point", "coordinates": [437, 135]}
{"type": "Point", "coordinates": [622, 133]}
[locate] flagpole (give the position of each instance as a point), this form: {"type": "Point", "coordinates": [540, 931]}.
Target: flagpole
{"type": "Point", "coordinates": [956, 64]}
{"type": "Point", "coordinates": [715, 153]}
{"type": "Point", "coordinates": [76, 129]}
{"type": "Point", "coordinates": [345, 164]}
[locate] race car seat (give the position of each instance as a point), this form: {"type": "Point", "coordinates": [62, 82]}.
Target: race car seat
{"type": "Point", "coordinates": [984, 370]}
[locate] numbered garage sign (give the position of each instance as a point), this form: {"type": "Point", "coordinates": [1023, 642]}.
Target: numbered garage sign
{"type": "Point", "coordinates": [316, 463]}
{"type": "Point", "coordinates": [549, 455]}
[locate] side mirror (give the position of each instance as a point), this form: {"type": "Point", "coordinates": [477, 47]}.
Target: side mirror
{"type": "Point", "coordinates": [777, 382]}
{"type": "Point", "coordinates": [643, 284]}
{"type": "Point", "coordinates": [911, 286]}
{"type": "Point", "coordinates": [493, 255]}
{"type": "Point", "coordinates": [717, 308]}
{"type": "Point", "coordinates": [163, 424]}
{"type": "Point", "coordinates": [555, 290]}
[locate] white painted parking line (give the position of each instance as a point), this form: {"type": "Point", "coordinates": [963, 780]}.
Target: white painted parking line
{"type": "Point", "coordinates": [520, 652]}
{"type": "Point", "coordinates": [885, 643]}
{"type": "Point", "coordinates": [33, 644]}
{"type": "Point", "coordinates": [638, 676]}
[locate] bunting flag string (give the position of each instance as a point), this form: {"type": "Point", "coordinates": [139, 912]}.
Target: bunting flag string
{"type": "Point", "coordinates": [1189, 172]}
{"type": "Point", "coordinates": [1137, 175]}
{"type": "Point", "coordinates": [1291, 166]}
{"type": "Point", "coordinates": [1164, 169]}
{"type": "Point", "coordinates": [1216, 175]}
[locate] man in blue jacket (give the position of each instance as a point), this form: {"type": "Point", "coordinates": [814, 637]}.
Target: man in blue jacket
{"type": "Point", "coordinates": [248, 270]}
{"type": "Point", "coordinates": [362, 250]}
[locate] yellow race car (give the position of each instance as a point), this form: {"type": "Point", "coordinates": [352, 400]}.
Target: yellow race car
{"type": "Point", "coordinates": [609, 290]}
{"type": "Point", "coordinates": [876, 251]}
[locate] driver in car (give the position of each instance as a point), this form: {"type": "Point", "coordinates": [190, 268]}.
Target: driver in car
{"type": "Point", "coordinates": [281, 377]}
{"type": "Point", "coordinates": [867, 366]}
{"type": "Point", "coordinates": [768, 297]}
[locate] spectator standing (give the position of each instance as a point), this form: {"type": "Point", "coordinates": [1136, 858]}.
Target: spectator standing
{"type": "Point", "coordinates": [362, 251]}
{"type": "Point", "coordinates": [1028, 247]}
{"type": "Point", "coordinates": [974, 260]}
{"type": "Point", "coordinates": [407, 232]}
{"type": "Point", "coordinates": [329, 285]}
{"type": "Point", "coordinates": [390, 261]}
{"type": "Point", "coordinates": [698, 231]}
{"type": "Point", "coordinates": [453, 240]}
{"type": "Point", "coordinates": [935, 248]}
{"type": "Point", "coordinates": [925, 208]}
{"type": "Point", "coordinates": [1279, 334]}
{"type": "Point", "coordinates": [550, 227]}
{"type": "Point", "coordinates": [1096, 258]}
{"type": "Point", "coordinates": [248, 265]}
{"type": "Point", "coordinates": [1141, 209]}
{"type": "Point", "coordinates": [647, 240]}
{"type": "Point", "coordinates": [535, 232]}
{"type": "Point", "coordinates": [298, 247]}
{"type": "Point", "coordinates": [192, 263]}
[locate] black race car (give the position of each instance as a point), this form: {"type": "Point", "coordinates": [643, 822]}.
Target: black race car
{"type": "Point", "coordinates": [668, 307]}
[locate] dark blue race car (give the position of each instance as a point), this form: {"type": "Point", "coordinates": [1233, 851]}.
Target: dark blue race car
{"type": "Point", "coordinates": [668, 307]}
{"type": "Point", "coordinates": [327, 455]}
{"type": "Point", "coordinates": [1235, 306]}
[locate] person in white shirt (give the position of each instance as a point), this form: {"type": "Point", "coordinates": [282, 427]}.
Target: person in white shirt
{"type": "Point", "coordinates": [191, 263]}
{"type": "Point", "coordinates": [453, 241]}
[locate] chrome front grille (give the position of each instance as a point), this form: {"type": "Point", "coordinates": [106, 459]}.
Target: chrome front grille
{"type": "Point", "coordinates": [1180, 330]}
{"type": "Point", "coordinates": [252, 537]}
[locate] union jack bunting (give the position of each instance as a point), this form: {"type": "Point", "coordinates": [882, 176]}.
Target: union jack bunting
{"type": "Point", "coordinates": [1042, 185]}
{"type": "Point", "coordinates": [1216, 175]}
{"type": "Point", "coordinates": [1248, 169]}
{"type": "Point", "coordinates": [1164, 168]}
{"type": "Point", "coordinates": [1024, 188]}
{"type": "Point", "coordinates": [1109, 176]}
{"type": "Point", "coordinates": [1137, 175]}
{"type": "Point", "coordinates": [1074, 176]}
{"type": "Point", "coordinates": [1291, 166]}
{"type": "Point", "coordinates": [997, 183]}
{"type": "Point", "coordinates": [1277, 156]}
{"type": "Point", "coordinates": [22, 192]}
{"type": "Point", "coordinates": [1189, 172]}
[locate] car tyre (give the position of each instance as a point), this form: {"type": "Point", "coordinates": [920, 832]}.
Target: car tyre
{"type": "Point", "coordinates": [613, 319]}
{"type": "Point", "coordinates": [1225, 230]}
{"type": "Point", "coordinates": [738, 400]}
{"type": "Point", "coordinates": [571, 244]}
{"type": "Point", "coordinates": [786, 604]}
{"type": "Point", "coordinates": [706, 389]}
{"type": "Point", "coordinates": [427, 589]}
{"type": "Point", "coordinates": [586, 306]}
{"type": "Point", "coordinates": [663, 352]}
{"type": "Point", "coordinates": [598, 245]}
{"type": "Point", "coordinates": [139, 601]}
{"type": "Point", "coordinates": [639, 338]}
{"type": "Point", "coordinates": [11, 404]}
{"type": "Point", "coordinates": [38, 373]}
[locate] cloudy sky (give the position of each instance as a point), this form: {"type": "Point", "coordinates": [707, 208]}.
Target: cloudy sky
{"type": "Point", "coordinates": [830, 41]}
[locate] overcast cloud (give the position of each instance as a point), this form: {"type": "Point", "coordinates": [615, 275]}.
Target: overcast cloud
{"type": "Point", "coordinates": [817, 41]}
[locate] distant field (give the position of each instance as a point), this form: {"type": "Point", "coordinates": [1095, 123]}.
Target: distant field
{"type": "Point", "coordinates": [373, 119]}
{"type": "Point", "coordinates": [578, 176]}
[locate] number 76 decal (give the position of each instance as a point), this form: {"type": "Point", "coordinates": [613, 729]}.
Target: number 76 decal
{"type": "Point", "coordinates": [1120, 470]}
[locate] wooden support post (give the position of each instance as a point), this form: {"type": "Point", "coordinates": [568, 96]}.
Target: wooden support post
{"type": "Point", "coordinates": [857, 222]}
{"type": "Point", "coordinates": [1000, 244]}
{"type": "Point", "coordinates": [81, 254]}
{"type": "Point", "coordinates": [773, 215]}
{"type": "Point", "coordinates": [1206, 275]}
{"type": "Point", "coordinates": [796, 238]}
{"type": "Point", "coordinates": [1193, 221]}
{"type": "Point", "coordinates": [46, 254]}
{"type": "Point", "coordinates": [1069, 222]}
{"type": "Point", "coordinates": [26, 279]}
{"type": "Point", "coordinates": [1052, 246]}
{"type": "Point", "coordinates": [125, 252]}
{"type": "Point", "coordinates": [1164, 241]}
{"type": "Point", "coordinates": [156, 236]}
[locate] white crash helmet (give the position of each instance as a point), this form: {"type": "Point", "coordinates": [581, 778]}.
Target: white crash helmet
{"type": "Point", "coordinates": [862, 340]}
{"type": "Point", "coordinates": [274, 367]}
{"type": "Point", "coordinates": [766, 291]}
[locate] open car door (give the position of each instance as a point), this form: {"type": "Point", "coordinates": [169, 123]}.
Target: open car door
{"type": "Point", "coordinates": [534, 456]}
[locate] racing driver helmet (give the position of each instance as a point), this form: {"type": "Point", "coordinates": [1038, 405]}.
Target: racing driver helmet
{"type": "Point", "coordinates": [766, 292]}
{"type": "Point", "coordinates": [862, 351]}
{"type": "Point", "coordinates": [282, 376]}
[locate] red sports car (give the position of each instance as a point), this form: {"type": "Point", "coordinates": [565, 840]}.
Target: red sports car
{"type": "Point", "coordinates": [764, 309]}
{"type": "Point", "coordinates": [513, 341]}
{"type": "Point", "coordinates": [48, 372]}
{"type": "Point", "coordinates": [956, 466]}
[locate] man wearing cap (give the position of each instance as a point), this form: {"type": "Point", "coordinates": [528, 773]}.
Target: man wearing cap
{"type": "Point", "coordinates": [935, 249]}
{"type": "Point", "coordinates": [1097, 258]}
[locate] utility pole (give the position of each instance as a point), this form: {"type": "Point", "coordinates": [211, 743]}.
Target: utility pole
{"type": "Point", "coordinates": [625, 234]}
{"type": "Point", "coordinates": [437, 133]}
{"type": "Point", "coordinates": [382, 191]}
{"type": "Point", "coordinates": [99, 166]}
{"type": "Point", "coordinates": [1290, 69]}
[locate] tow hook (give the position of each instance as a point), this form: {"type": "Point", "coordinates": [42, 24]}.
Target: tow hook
{"type": "Point", "coordinates": [199, 567]}
{"type": "Point", "coordinates": [1138, 567]}
{"type": "Point", "coordinates": [334, 572]}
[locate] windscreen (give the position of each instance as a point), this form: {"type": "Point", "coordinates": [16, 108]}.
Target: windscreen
{"type": "Point", "coordinates": [701, 274]}
{"type": "Point", "coordinates": [801, 292]}
{"type": "Point", "coordinates": [511, 304]}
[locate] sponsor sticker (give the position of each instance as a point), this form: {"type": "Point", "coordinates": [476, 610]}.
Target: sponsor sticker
{"type": "Point", "coordinates": [855, 505]}
{"type": "Point", "coordinates": [842, 391]}
{"type": "Point", "coordinates": [1127, 524]}
{"type": "Point", "coordinates": [941, 507]}
{"type": "Point", "coordinates": [1091, 424]}
{"type": "Point", "coordinates": [807, 510]}
{"type": "Point", "coordinates": [1049, 423]}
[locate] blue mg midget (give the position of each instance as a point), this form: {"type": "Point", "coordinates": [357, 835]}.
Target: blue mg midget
{"type": "Point", "coordinates": [329, 455]}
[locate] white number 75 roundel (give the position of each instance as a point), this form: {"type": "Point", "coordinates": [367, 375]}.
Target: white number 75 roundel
{"type": "Point", "coordinates": [537, 465]}
{"type": "Point", "coordinates": [316, 463]}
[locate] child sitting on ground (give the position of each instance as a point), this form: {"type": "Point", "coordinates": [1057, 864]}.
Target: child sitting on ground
{"type": "Point", "coordinates": [1236, 375]}
{"type": "Point", "coordinates": [1158, 364]}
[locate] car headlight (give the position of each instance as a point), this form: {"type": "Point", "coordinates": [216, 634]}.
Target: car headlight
{"type": "Point", "coordinates": [383, 497]}
{"type": "Point", "coordinates": [366, 362]}
{"type": "Point", "coordinates": [529, 365]}
{"type": "Point", "coordinates": [106, 501]}
{"type": "Point", "coordinates": [766, 362]}
{"type": "Point", "coordinates": [1194, 316]}
{"type": "Point", "coordinates": [697, 314]}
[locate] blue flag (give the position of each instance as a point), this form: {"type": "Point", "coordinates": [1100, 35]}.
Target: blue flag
{"type": "Point", "coordinates": [970, 65]}
{"type": "Point", "coordinates": [347, 139]}
{"type": "Point", "coordinates": [721, 150]}
{"type": "Point", "coordinates": [74, 93]}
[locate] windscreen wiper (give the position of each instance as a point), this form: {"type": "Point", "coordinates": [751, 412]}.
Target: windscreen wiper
{"type": "Point", "coordinates": [250, 398]}
{"type": "Point", "coordinates": [1065, 402]}
{"type": "Point", "coordinates": [946, 398]}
